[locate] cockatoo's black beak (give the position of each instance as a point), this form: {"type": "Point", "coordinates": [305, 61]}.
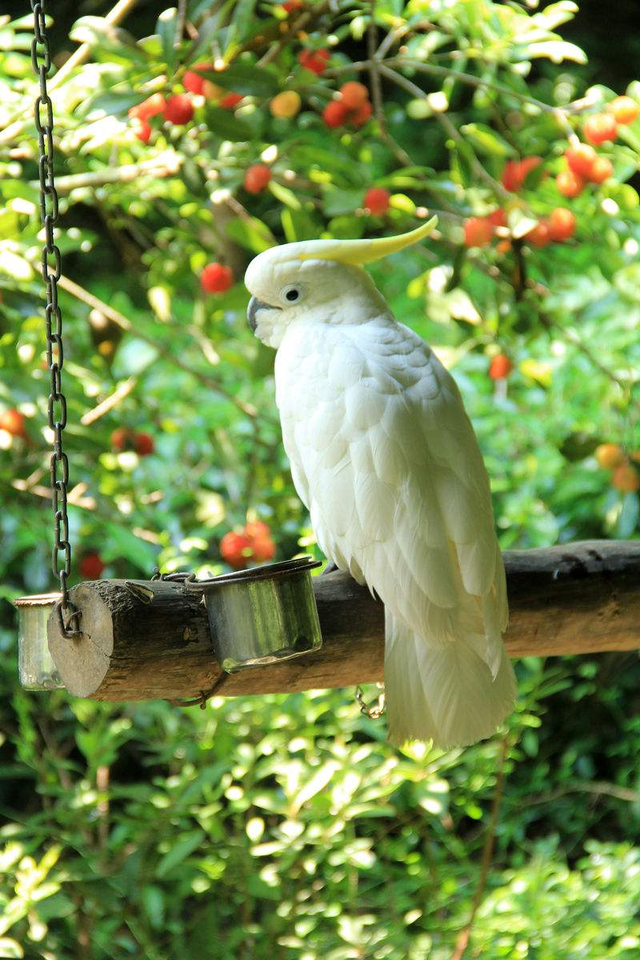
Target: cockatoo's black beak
{"type": "Point", "coordinates": [252, 309]}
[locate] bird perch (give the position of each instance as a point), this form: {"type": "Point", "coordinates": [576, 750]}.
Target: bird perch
{"type": "Point", "coordinates": [570, 599]}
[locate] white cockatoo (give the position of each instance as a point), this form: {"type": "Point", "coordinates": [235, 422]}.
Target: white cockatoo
{"type": "Point", "coordinates": [385, 459]}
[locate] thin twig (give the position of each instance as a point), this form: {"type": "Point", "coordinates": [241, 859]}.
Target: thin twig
{"type": "Point", "coordinates": [121, 321]}
{"type": "Point", "coordinates": [109, 402]}
{"type": "Point", "coordinates": [597, 788]}
{"type": "Point", "coordinates": [164, 165]}
{"type": "Point", "coordinates": [487, 852]}
{"type": "Point", "coordinates": [450, 129]}
{"type": "Point", "coordinates": [374, 71]}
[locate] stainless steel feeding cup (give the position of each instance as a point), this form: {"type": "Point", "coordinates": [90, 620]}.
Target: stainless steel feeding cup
{"type": "Point", "coordinates": [36, 668]}
{"type": "Point", "coordinates": [262, 615]}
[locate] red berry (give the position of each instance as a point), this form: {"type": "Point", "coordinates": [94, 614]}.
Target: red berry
{"type": "Point", "coordinates": [216, 278]}
{"type": "Point", "coordinates": [179, 109]}
{"type": "Point", "coordinates": [263, 548]}
{"type": "Point", "coordinates": [290, 5]}
{"type": "Point", "coordinates": [600, 127]}
{"type": "Point", "coordinates": [498, 218]}
{"type": "Point", "coordinates": [142, 129]}
{"type": "Point", "coordinates": [353, 94]}
{"type": "Point", "coordinates": [624, 110]}
{"type": "Point", "coordinates": [580, 159]}
{"type": "Point", "coordinates": [515, 172]}
{"type": "Point", "coordinates": [235, 549]}
{"type": "Point", "coordinates": [230, 100]}
{"type": "Point", "coordinates": [123, 439]}
{"type": "Point", "coordinates": [144, 444]}
{"type": "Point", "coordinates": [540, 236]}
{"type": "Point", "coordinates": [478, 232]}
{"type": "Point", "coordinates": [335, 114]}
{"type": "Point", "coordinates": [150, 107]}
{"type": "Point", "coordinates": [569, 184]}
{"type": "Point", "coordinates": [91, 566]}
{"type": "Point", "coordinates": [257, 529]}
{"type": "Point", "coordinates": [601, 170]}
{"type": "Point", "coordinates": [360, 116]}
{"type": "Point", "coordinates": [562, 224]}
{"type": "Point", "coordinates": [256, 178]}
{"type": "Point", "coordinates": [193, 82]}
{"type": "Point", "coordinates": [13, 422]}
{"type": "Point", "coordinates": [376, 201]}
{"type": "Point", "coordinates": [500, 367]}
{"type": "Point", "coordinates": [314, 60]}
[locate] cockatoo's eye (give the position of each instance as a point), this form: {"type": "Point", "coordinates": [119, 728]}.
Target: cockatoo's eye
{"type": "Point", "coordinates": [291, 293]}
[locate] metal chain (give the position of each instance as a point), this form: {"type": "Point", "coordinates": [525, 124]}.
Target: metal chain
{"type": "Point", "coordinates": [372, 710]}
{"type": "Point", "coordinates": [51, 271]}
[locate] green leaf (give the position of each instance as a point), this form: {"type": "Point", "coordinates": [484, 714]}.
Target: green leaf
{"type": "Point", "coordinates": [252, 234]}
{"type": "Point", "coordinates": [112, 103]}
{"type": "Point", "coordinates": [179, 851]}
{"type": "Point", "coordinates": [246, 79]}
{"type": "Point", "coordinates": [225, 124]}
{"type": "Point", "coordinates": [166, 28]}
{"type": "Point", "coordinates": [487, 141]}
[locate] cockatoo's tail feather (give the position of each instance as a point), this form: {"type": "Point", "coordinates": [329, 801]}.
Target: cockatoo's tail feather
{"type": "Point", "coordinates": [384, 457]}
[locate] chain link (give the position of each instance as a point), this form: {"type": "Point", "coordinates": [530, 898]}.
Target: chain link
{"type": "Point", "coordinates": [372, 710]}
{"type": "Point", "coordinates": [51, 271]}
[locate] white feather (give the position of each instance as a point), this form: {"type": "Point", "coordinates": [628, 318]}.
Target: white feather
{"type": "Point", "coordinates": [384, 456]}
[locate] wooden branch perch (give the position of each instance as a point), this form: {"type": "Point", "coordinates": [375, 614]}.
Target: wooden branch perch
{"type": "Point", "coordinates": [577, 598]}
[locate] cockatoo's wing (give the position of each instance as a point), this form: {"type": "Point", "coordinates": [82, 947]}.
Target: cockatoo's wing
{"type": "Point", "coordinates": [385, 458]}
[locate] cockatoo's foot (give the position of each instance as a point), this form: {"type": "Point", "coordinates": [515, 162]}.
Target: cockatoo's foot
{"type": "Point", "coordinates": [331, 567]}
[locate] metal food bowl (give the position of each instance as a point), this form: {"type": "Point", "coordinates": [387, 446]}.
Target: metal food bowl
{"type": "Point", "coordinates": [36, 668]}
{"type": "Point", "coordinates": [261, 615]}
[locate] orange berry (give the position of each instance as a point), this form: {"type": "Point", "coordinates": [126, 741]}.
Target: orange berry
{"type": "Point", "coordinates": [256, 178]}
{"type": "Point", "coordinates": [13, 422]}
{"type": "Point", "coordinates": [504, 246]}
{"type": "Point", "coordinates": [478, 232]}
{"type": "Point", "coordinates": [540, 236]}
{"type": "Point", "coordinates": [624, 110]}
{"type": "Point", "coordinates": [609, 455]}
{"type": "Point", "coordinates": [91, 566]}
{"type": "Point", "coordinates": [601, 170]}
{"type": "Point", "coordinates": [285, 105]}
{"type": "Point", "coordinates": [569, 183]}
{"type": "Point", "coordinates": [314, 60]}
{"type": "Point", "coordinates": [235, 549]}
{"type": "Point", "coordinates": [580, 159]}
{"type": "Point", "coordinates": [360, 116]}
{"type": "Point", "coordinates": [626, 478]}
{"type": "Point", "coordinates": [150, 107]}
{"type": "Point", "coordinates": [334, 114]}
{"type": "Point", "coordinates": [600, 127]}
{"type": "Point", "coordinates": [216, 278]}
{"type": "Point", "coordinates": [144, 444]}
{"type": "Point", "coordinates": [562, 224]}
{"type": "Point", "coordinates": [353, 94]}
{"type": "Point", "coordinates": [376, 201]}
{"type": "Point", "coordinates": [500, 367]}
{"type": "Point", "coordinates": [179, 109]}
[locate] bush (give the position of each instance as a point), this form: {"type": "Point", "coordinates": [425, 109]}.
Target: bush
{"type": "Point", "coordinates": [286, 826]}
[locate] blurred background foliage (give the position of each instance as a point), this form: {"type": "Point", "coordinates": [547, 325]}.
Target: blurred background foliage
{"type": "Point", "coordinates": [285, 826]}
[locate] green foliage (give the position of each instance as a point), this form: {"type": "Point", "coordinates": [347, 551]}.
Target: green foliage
{"type": "Point", "coordinates": [285, 826]}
